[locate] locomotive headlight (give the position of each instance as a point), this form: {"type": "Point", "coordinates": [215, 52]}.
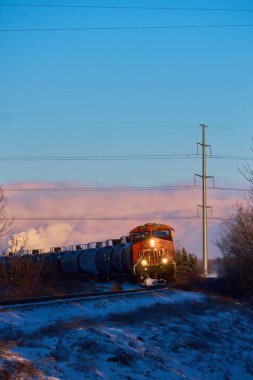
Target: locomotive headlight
{"type": "Point", "coordinates": [144, 262]}
{"type": "Point", "coordinates": [164, 260]}
{"type": "Point", "coordinates": [152, 242]}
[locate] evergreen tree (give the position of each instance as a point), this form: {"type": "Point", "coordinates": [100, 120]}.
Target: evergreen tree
{"type": "Point", "coordinates": [187, 263]}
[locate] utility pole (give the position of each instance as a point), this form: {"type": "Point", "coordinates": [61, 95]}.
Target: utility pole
{"type": "Point", "coordinates": [204, 203]}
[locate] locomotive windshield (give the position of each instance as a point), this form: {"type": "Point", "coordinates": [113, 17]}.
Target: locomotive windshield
{"type": "Point", "coordinates": [162, 234]}
{"type": "Point", "coordinates": [138, 236]}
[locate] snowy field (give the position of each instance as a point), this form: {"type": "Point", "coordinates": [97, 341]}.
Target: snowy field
{"type": "Point", "coordinates": [168, 334]}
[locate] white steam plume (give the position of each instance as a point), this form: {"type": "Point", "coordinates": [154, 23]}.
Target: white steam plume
{"type": "Point", "coordinates": [41, 238]}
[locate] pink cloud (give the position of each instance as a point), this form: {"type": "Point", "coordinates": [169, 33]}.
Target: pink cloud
{"type": "Point", "coordinates": [143, 206]}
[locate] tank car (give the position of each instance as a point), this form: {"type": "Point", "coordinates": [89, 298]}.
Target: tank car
{"type": "Point", "coordinates": [144, 255]}
{"type": "Point", "coordinates": [147, 252]}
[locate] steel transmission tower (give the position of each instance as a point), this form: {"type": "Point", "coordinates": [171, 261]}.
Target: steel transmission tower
{"type": "Point", "coordinates": [204, 202]}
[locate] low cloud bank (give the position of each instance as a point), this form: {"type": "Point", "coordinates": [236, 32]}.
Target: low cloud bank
{"type": "Point", "coordinates": [137, 207]}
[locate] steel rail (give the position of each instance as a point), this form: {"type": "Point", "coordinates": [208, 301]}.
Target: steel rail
{"type": "Point", "coordinates": [15, 302]}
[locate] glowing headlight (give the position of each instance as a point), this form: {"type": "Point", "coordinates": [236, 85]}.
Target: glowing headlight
{"type": "Point", "coordinates": [164, 260]}
{"type": "Point", "coordinates": [144, 262]}
{"type": "Point", "coordinates": [152, 242]}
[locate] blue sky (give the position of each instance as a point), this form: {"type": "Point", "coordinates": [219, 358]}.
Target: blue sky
{"type": "Point", "coordinates": [124, 92]}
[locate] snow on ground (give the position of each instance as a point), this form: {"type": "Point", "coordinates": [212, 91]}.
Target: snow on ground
{"type": "Point", "coordinates": [168, 334]}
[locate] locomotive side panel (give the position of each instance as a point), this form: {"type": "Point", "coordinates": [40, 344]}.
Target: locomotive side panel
{"type": "Point", "coordinates": [171, 249]}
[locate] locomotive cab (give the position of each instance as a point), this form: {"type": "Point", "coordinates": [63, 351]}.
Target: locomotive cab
{"type": "Point", "coordinates": [153, 252]}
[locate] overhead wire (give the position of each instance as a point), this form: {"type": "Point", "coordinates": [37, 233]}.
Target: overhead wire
{"type": "Point", "coordinates": [80, 6]}
{"type": "Point", "coordinates": [90, 218]}
{"type": "Point", "coordinates": [124, 157]}
{"type": "Point", "coordinates": [118, 127]}
{"type": "Point", "coordinates": [95, 157]}
{"type": "Point", "coordinates": [113, 28]}
{"type": "Point", "coordinates": [100, 128]}
{"type": "Point", "coordinates": [119, 189]}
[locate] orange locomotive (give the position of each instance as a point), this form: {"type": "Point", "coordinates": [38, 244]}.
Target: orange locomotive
{"type": "Point", "coordinates": [153, 251]}
{"type": "Point", "coordinates": [145, 255]}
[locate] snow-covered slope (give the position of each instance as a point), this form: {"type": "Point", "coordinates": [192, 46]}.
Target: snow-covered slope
{"type": "Point", "coordinates": [167, 335]}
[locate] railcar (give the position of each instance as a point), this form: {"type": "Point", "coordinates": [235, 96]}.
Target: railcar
{"type": "Point", "coordinates": [145, 255]}
{"type": "Point", "coordinates": [147, 252]}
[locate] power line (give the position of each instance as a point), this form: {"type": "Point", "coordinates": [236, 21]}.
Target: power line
{"type": "Point", "coordinates": [123, 157]}
{"type": "Point", "coordinates": [88, 218]}
{"type": "Point", "coordinates": [112, 28]}
{"type": "Point", "coordinates": [120, 189]}
{"type": "Point", "coordinates": [102, 189]}
{"type": "Point", "coordinates": [24, 5]}
{"type": "Point", "coordinates": [118, 127]}
{"type": "Point", "coordinates": [95, 158]}
{"type": "Point", "coordinates": [91, 128]}
{"type": "Point", "coordinates": [243, 158]}
{"type": "Point", "coordinates": [228, 189]}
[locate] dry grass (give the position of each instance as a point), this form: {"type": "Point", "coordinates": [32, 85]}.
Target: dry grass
{"type": "Point", "coordinates": [19, 277]}
{"type": "Point", "coordinates": [20, 271]}
{"type": "Point", "coordinates": [13, 367]}
{"type": "Point", "coordinates": [24, 277]}
{"type": "Point", "coordinates": [11, 370]}
{"type": "Point", "coordinates": [217, 287]}
{"type": "Point", "coordinates": [182, 284]}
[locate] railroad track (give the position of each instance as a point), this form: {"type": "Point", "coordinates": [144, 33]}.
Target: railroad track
{"type": "Point", "coordinates": [68, 297]}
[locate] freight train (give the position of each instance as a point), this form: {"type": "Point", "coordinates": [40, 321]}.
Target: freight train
{"type": "Point", "coordinates": [145, 255]}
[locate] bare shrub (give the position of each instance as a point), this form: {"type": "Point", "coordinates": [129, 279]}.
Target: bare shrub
{"type": "Point", "coordinates": [17, 246]}
{"type": "Point", "coordinates": [5, 222]}
{"type": "Point", "coordinates": [20, 274]}
{"type": "Point", "coordinates": [235, 242]}
{"type": "Point", "coordinates": [28, 275]}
